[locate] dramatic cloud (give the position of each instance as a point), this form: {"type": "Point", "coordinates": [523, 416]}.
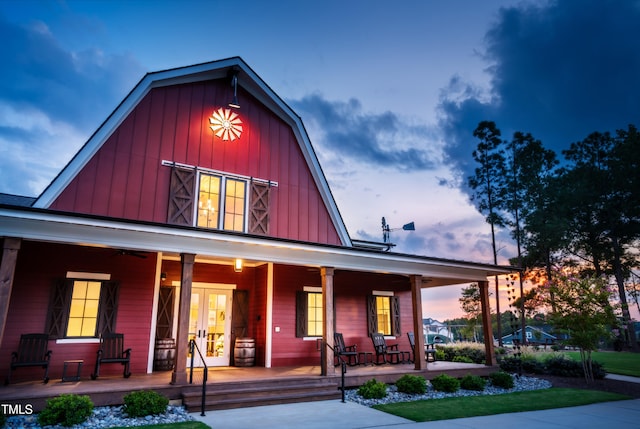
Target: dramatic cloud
{"type": "Point", "coordinates": [51, 100]}
{"type": "Point", "coordinates": [381, 140]}
{"type": "Point", "coordinates": [559, 71]}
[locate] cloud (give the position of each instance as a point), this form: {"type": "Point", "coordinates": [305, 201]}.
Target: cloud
{"type": "Point", "coordinates": [51, 100]}
{"type": "Point", "coordinates": [560, 71]}
{"type": "Point", "coordinates": [381, 140]}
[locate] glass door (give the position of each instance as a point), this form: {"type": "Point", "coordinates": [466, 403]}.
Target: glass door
{"type": "Point", "coordinates": [210, 325]}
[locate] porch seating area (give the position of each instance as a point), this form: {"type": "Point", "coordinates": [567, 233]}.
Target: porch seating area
{"type": "Point", "coordinates": [112, 351]}
{"type": "Point", "coordinates": [429, 349]}
{"type": "Point", "coordinates": [388, 352]}
{"type": "Point", "coordinates": [32, 351]}
{"type": "Point", "coordinates": [350, 353]}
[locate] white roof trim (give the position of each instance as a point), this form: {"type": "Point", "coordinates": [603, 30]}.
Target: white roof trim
{"type": "Point", "coordinates": [89, 231]}
{"type": "Point", "coordinates": [248, 79]}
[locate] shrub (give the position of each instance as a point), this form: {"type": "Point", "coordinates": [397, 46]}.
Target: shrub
{"type": "Point", "coordinates": [66, 410]}
{"type": "Point", "coordinates": [502, 379]}
{"type": "Point", "coordinates": [411, 384]}
{"type": "Point", "coordinates": [3, 419]}
{"type": "Point", "coordinates": [563, 366]}
{"type": "Point", "coordinates": [463, 359]}
{"type": "Point", "coordinates": [440, 354]}
{"type": "Point", "coordinates": [144, 403]}
{"type": "Point", "coordinates": [445, 383]}
{"type": "Point", "coordinates": [473, 382]}
{"type": "Point", "coordinates": [373, 389]}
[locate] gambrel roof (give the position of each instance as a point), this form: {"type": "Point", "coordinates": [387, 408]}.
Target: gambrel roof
{"type": "Point", "coordinates": [247, 80]}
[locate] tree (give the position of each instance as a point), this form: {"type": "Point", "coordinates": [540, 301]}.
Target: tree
{"type": "Point", "coordinates": [583, 311]}
{"type": "Point", "coordinates": [603, 195]}
{"type": "Point", "coordinates": [488, 189]}
{"type": "Point", "coordinates": [471, 304]}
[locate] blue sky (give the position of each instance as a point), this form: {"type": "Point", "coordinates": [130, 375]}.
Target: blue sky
{"type": "Point", "coordinates": [389, 92]}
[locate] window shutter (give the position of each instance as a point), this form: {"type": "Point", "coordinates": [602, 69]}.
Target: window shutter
{"type": "Point", "coordinates": [108, 307]}
{"type": "Point", "coordinates": [395, 316]}
{"type": "Point", "coordinates": [164, 320]}
{"type": "Point", "coordinates": [181, 196]}
{"type": "Point", "coordinates": [59, 303]}
{"type": "Point", "coordinates": [259, 208]}
{"type": "Point", "coordinates": [372, 315]}
{"type": "Point", "coordinates": [301, 314]}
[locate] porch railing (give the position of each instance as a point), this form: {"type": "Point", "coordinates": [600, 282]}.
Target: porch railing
{"type": "Point", "coordinates": [323, 345]}
{"type": "Point", "coordinates": [193, 347]}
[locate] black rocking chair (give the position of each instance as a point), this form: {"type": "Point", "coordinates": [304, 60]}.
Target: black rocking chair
{"type": "Point", "coordinates": [350, 352]}
{"type": "Point", "coordinates": [32, 351]}
{"type": "Point", "coordinates": [389, 353]}
{"type": "Point", "coordinates": [112, 351]}
{"type": "Point", "coordinates": [429, 349]}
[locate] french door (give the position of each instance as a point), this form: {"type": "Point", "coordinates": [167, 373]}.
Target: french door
{"type": "Point", "coordinates": [210, 325]}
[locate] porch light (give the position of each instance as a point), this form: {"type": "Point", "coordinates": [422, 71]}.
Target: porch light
{"type": "Point", "coordinates": [234, 83]}
{"type": "Point", "coordinates": [238, 265]}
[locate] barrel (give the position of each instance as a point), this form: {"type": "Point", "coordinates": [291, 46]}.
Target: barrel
{"type": "Point", "coordinates": [164, 356]}
{"type": "Point", "coordinates": [245, 352]}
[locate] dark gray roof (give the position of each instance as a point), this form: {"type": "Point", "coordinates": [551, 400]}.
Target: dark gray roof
{"type": "Point", "coordinates": [16, 200]}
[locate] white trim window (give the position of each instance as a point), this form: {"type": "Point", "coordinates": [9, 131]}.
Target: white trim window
{"type": "Point", "coordinates": [222, 203]}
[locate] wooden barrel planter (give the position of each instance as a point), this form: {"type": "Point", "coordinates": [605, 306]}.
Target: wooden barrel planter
{"type": "Point", "coordinates": [164, 356]}
{"type": "Point", "coordinates": [245, 352]}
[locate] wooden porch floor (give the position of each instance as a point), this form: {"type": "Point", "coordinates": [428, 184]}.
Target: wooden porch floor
{"type": "Point", "coordinates": [110, 390]}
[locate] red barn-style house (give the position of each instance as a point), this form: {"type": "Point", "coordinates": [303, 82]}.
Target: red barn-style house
{"type": "Point", "coordinates": [184, 218]}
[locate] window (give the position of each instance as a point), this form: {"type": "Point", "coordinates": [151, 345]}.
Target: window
{"type": "Point", "coordinates": [217, 208]}
{"type": "Point", "coordinates": [83, 315]}
{"type": "Point", "coordinates": [383, 313]}
{"type": "Point", "coordinates": [82, 307]}
{"type": "Point", "coordinates": [309, 313]}
{"type": "Point", "coordinates": [217, 200]}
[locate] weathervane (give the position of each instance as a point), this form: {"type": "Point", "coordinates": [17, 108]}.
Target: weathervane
{"type": "Point", "coordinates": [386, 230]}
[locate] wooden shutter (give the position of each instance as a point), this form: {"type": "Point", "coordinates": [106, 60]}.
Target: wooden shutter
{"type": "Point", "coordinates": [108, 308]}
{"type": "Point", "coordinates": [164, 321]}
{"type": "Point", "coordinates": [395, 316]}
{"type": "Point", "coordinates": [301, 314]}
{"type": "Point", "coordinates": [59, 302]}
{"type": "Point", "coordinates": [181, 196]}
{"type": "Point", "coordinates": [259, 208]}
{"type": "Point", "coordinates": [372, 315]}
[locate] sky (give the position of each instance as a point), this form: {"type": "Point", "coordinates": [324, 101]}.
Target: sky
{"type": "Point", "coordinates": [390, 93]}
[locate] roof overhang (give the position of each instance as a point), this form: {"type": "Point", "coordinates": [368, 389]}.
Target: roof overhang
{"type": "Point", "coordinates": [48, 226]}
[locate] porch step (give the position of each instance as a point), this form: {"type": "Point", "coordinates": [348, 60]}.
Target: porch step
{"type": "Point", "coordinates": [254, 393]}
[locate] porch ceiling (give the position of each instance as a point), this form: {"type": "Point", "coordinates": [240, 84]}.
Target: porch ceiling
{"type": "Point", "coordinates": [42, 225]}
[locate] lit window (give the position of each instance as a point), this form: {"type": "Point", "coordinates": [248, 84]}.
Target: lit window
{"type": "Point", "coordinates": [383, 310]}
{"type": "Point", "coordinates": [83, 314]}
{"type": "Point", "coordinates": [233, 201]}
{"type": "Point", "coordinates": [314, 314]}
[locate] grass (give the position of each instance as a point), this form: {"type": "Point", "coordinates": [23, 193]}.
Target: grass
{"type": "Point", "coordinates": [181, 425]}
{"type": "Point", "coordinates": [453, 408]}
{"type": "Point", "coordinates": [623, 363]}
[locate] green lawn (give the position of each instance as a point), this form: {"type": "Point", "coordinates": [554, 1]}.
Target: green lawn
{"type": "Point", "coordinates": [453, 408]}
{"type": "Point", "coordinates": [623, 363]}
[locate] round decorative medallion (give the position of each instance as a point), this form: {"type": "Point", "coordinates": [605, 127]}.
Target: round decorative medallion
{"type": "Point", "coordinates": [226, 124]}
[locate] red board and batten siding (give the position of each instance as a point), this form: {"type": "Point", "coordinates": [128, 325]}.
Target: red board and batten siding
{"type": "Point", "coordinates": [125, 178]}
{"type": "Point", "coordinates": [350, 294]}
{"type": "Point", "coordinates": [31, 294]}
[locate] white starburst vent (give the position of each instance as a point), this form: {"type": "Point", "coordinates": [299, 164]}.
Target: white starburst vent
{"type": "Point", "coordinates": [226, 124]}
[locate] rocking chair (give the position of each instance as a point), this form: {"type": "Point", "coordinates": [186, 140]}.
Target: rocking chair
{"type": "Point", "coordinates": [112, 351]}
{"type": "Point", "coordinates": [32, 351]}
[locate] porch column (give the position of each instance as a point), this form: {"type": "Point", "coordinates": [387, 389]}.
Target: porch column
{"type": "Point", "coordinates": [416, 298]}
{"type": "Point", "coordinates": [179, 375]}
{"type": "Point", "coordinates": [486, 323]}
{"type": "Point", "coordinates": [10, 247]}
{"type": "Point", "coordinates": [327, 366]}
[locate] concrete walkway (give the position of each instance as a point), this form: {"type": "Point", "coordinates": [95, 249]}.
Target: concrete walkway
{"type": "Point", "coordinates": [349, 415]}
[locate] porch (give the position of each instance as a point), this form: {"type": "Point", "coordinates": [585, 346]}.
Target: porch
{"type": "Point", "coordinates": [231, 387]}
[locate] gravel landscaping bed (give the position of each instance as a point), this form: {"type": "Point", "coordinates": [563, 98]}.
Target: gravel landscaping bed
{"type": "Point", "coordinates": [520, 384]}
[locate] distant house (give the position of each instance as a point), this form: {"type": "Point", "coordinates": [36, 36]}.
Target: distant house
{"type": "Point", "coordinates": [184, 218]}
{"type": "Point", "coordinates": [436, 331]}
{"type": "Point", "coordinates": [532, 335]}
